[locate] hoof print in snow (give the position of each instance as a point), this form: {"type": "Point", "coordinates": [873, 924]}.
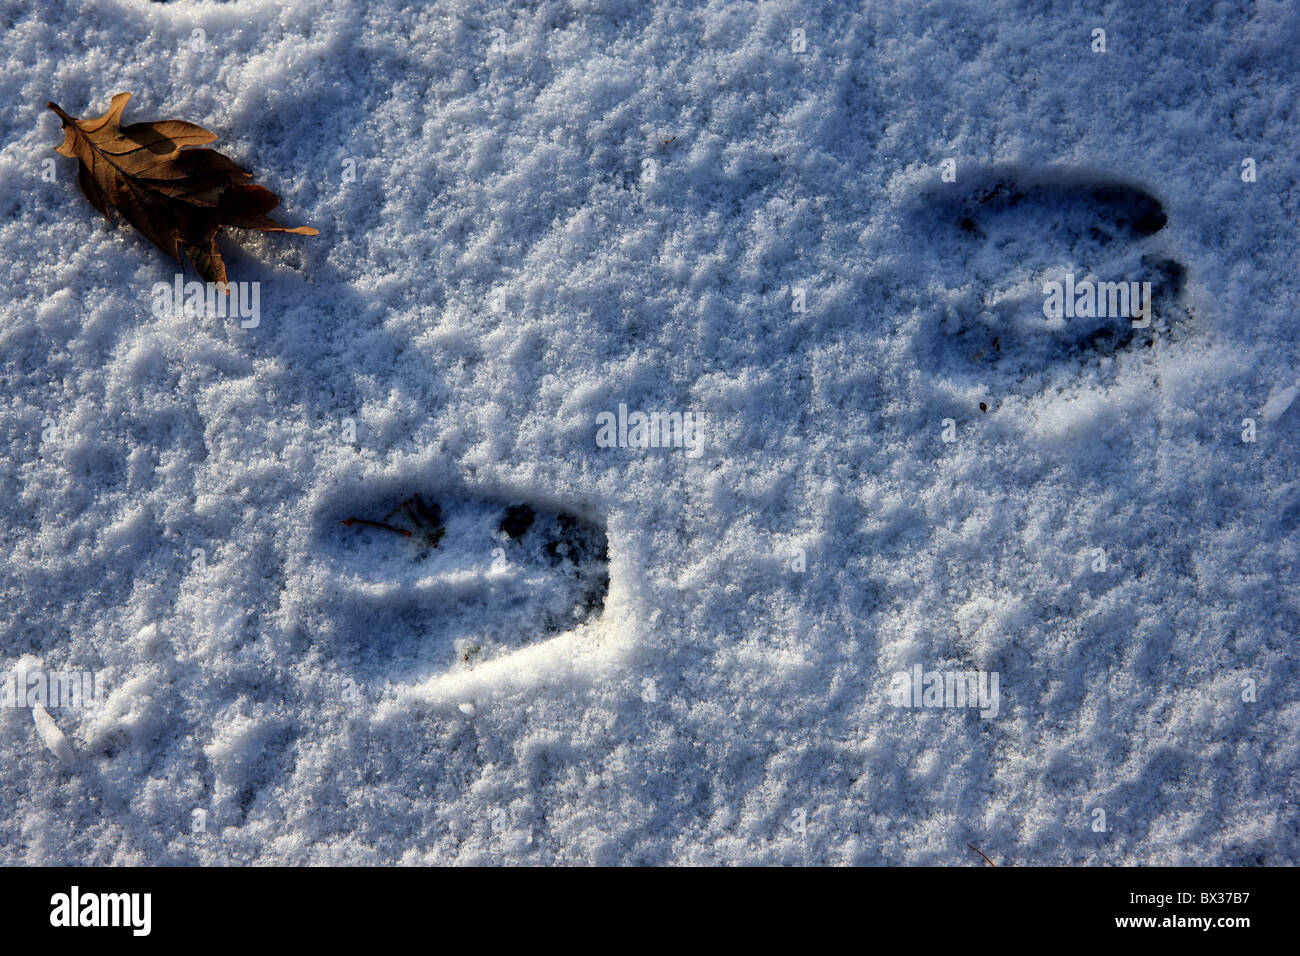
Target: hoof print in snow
{"type": "Point", "coordinates": [1045, 274]}
{"type": "Point", "coordinates": [421, 582]}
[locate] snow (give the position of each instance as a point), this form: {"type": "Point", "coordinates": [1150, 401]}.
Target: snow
{"type": "Point", "coordinates": [51, 736]}
{"type": "Point", "coordinates": [563, 207]}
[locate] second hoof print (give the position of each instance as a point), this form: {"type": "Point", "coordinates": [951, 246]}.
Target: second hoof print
{"type": "Point", "coordinates": [420, 582]}
{"type": "Point", "coordinates": [1002, 238]}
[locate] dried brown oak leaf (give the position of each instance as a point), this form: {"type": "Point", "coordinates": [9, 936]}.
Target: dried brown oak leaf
{"type": "Point", "coordinates": [179, 198]}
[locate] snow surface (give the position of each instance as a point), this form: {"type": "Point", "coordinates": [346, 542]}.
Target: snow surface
{"type": "Point", "coordinates": [561, 206]}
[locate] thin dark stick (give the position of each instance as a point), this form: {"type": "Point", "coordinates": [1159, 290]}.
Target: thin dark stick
{"type": "Point", "coordinates": [981, 853]}
{"type": "Point", "coordinates": [374, 524]}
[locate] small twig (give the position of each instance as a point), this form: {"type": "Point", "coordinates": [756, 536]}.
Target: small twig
{"type": "Point", "coordinates": [374, 524]}
{"type": "Point", "coordinates": [981, 853]}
